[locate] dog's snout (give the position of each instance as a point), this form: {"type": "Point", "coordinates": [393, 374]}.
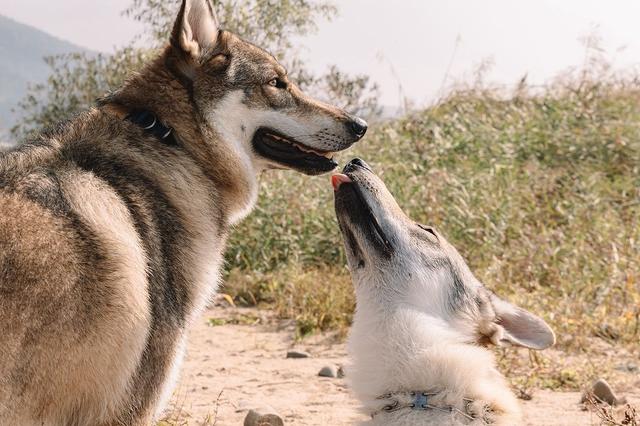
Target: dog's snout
{"type": "Point", "coordinates": [360, 162]}
{"type": "Point", "coordinates": [358, 126]}
{"type": "Point", "coordinates": [355, 163]}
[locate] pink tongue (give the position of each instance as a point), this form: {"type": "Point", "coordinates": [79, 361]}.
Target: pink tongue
{"type": "Point", "coordinates": [339, 179]}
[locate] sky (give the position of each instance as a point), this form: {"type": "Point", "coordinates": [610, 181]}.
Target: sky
{"type": "Point", "coordinates": [412, 48]}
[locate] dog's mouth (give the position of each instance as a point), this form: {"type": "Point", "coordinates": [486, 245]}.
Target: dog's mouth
{"type": "Point", "coordinates": [354, 211]}
{"type": "Point", "coordinates": [290, 153]}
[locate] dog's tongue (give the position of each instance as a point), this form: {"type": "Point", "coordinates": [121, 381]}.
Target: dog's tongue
{"type": "Point", "coordinates": [338, 179]}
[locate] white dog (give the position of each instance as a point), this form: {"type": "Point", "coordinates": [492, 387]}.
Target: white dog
{"type": "Point", "coordinates": [422, 318]}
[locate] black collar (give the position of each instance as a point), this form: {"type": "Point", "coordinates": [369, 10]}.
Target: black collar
{"type": "Point", "coordinates": [148, 122]}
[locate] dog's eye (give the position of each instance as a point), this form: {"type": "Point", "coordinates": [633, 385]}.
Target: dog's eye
{"type": "Point", "coordinates": [277, 83]}
{"type": "Point", "coordinates": [428, 229]}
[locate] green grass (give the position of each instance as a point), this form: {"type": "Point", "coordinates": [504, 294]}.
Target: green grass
{"type": "Point", "coordinates": [540, 192]}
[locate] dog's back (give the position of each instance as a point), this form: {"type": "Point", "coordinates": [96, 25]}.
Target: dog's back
{"type": "Point", "coordinates": [100, 267]}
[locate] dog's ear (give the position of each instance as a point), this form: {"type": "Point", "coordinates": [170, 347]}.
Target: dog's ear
{"type": "Point", "coordinates": [196, 28]}
{"type": "Point", "coordinates": [512, 325]}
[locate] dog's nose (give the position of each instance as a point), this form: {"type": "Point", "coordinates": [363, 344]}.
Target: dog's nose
{"type": "Point", "coordinates": [357, 162]}
{"type": "Point", "coordinates": [358, 127]}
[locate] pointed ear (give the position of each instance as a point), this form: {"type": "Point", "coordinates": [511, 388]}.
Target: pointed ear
{"type": "Point", "coordinates": [515, 326]}
{"type": "Point", "coordinates": [196, 28]}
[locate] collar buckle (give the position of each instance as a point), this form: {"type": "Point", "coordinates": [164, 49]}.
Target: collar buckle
{"type": "Point", "coordinates": [420, 401]}
{"type": "Point", "coordinates": [149, 123]}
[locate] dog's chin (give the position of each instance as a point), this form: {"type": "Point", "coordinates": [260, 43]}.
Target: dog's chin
{"type": "Point", "coordinates": [287, 153]}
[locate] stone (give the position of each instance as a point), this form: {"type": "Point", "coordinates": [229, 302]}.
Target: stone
{"type": "Point", "coordinates": [328, 371]}
{"type": "Point", "coordinates": [629, 367]}
{"type": "Point", "coordinates": [298, 354]}
{"type": "Point", "coordinates": [602, 392]}
{"type": "Point", "coordinates": [263, 417]}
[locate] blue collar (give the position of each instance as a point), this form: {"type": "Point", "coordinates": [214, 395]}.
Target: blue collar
{"type": "Point", "coordinates": [149, 122]}
{"type": "Point", "coordinates": [421, 401]}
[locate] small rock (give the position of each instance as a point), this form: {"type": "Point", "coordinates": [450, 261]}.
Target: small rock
{"type": "Point", "coordinates": [628, 367]}
{"type": "Point", "coordinates": [602, 392]}
{"type": "Point", "coordinates": [341, 372]}
{"type": "Point", "coordinates": [328, 371]}
{"type": "Point", "coordinates": [263, 417]}
{"type": "Point", "coordinates": [298, 354]}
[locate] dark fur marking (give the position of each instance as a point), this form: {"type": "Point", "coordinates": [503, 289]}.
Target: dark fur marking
{"type": "Point", "coordinates": [47, 193]}
{"type": "Point", "coordinates": [458, 290]}
{"type": "Point", "coordinates": [458, 293]}
{"type": "Point", "coordinates": [160, 231]}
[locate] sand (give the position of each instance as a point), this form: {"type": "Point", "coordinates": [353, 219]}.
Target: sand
{"type": "Point", "coordinates": [231, 367]}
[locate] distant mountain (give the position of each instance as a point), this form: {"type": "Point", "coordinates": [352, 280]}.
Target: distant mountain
{"type": "Point", "coordinates": [22, 49]}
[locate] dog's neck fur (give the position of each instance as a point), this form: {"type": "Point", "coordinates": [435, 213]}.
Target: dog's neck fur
{"type": "Point", "coordinates": [402, 350]}
{"type": "Point", "coordinates": [159, 89]}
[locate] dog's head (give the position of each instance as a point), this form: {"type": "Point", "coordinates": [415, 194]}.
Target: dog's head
{"type": "Point", "coordinates": [247, 99]}
{"type": "Point", "coordinates": [395, 261]}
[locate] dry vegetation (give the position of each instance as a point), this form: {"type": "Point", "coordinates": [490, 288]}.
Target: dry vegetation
{"type": "Point", "coordinates": [609, 416]}
{"type": "Point", "coordinates": [540, 191]}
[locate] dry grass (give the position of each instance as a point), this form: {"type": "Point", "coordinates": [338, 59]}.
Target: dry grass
{"type": "Point", "coordinates": [178, 416]}
{"type": "Point", "coordinates": [610, 416]}
{"type": "Point", "coordinates": [317, 298]}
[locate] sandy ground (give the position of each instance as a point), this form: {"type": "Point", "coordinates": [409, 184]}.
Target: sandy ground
{"type": "Point", "coordinates": [241, 364]}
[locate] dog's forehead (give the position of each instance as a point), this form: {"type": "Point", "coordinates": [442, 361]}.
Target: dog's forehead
{"type": "Point", "coordinates": [440, 252]}
{"type": "Point", "coordinates": [448, 250]}
{"type": "Point", "coordinates": [252, 57]}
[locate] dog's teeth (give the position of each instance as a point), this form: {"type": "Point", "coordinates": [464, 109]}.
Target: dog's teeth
{"type": "Point", "coordinates": [279, 138]}
{"type": "Point", "coordinates": [306, 149]}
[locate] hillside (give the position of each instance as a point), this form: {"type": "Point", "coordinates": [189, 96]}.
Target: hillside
{"type": "Point", "coordinates": [22, 49]}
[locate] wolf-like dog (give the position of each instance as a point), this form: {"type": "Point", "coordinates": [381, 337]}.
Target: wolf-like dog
{"type": "Point", "coordinates": [113, 225]}
{"type": "Point", "coordinates": [422, 319]}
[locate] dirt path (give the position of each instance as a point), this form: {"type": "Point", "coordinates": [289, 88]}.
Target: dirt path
{"type": "Point", "coordinates": [230, 367]}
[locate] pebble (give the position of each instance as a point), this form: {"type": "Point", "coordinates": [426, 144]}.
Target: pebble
{"type": "Point", "coordinates": [328, 371]}
{"type": "Point", "coordinates": [628, 367]}
{"type": "Point", "coordinates": [603, 392]}
{"type": "Point", "coordinates": [263, 417]}
{"type": "Point", "coordinates": [298, 354]}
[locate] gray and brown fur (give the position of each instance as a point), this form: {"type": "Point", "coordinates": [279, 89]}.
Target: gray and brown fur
{"type": "Point", "coordinates": [111, 241]}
